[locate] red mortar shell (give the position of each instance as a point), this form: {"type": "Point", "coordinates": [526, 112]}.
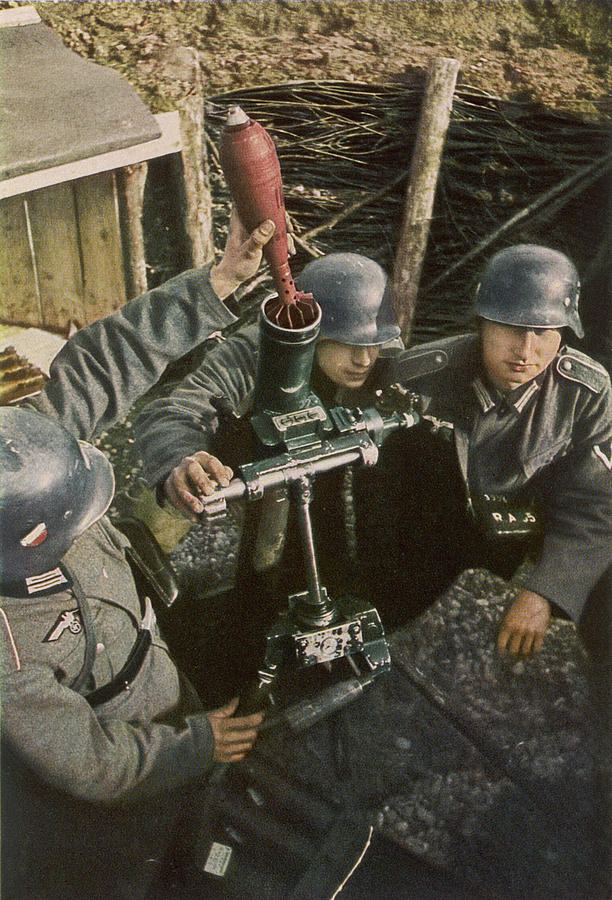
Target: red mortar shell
{"type": "Point", "coordinates": [252, 171]}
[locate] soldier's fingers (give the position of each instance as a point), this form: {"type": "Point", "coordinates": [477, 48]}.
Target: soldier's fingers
{"type": "Point", "coordinates": [213, 466]}
{"type": "Point", "coordinates": [237, 229]}
{"type": "Point", "coordinates": [259, 237]}
{"type": "Point", "coordinates": [290, 240]}
{"type": "Point", "coordinates": [537, 643]}
{"type": "Point", "coordinates": [527, 643]}
{"type": "Point", "coordinates": [197, 480]}
{"type": "Point", "coordinates": [250, 721]}
{"type": "Point", "coordinates": [227, 709]}
{"type": "Point", "coordinates": [236, 757]}
{"type": "Point", "coordinates": [232, 738]}
{"type": "Point", "coordinates": [227, 757]}
{"type": "Point", "coordinates": [226, 750]}
{"type": "Point", "coordinates": [516, 639]}
{"type": "Point", "coordinates": [502, 639]}
{"type": "Point", "coordinates": [182, 499]}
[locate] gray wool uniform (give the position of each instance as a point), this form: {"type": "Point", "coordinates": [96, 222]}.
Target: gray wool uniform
{"type": "Point", "coordinates": [105, 367]}
{"type": "Point", "coordinates": [64, 832]}
{"type": "Point", "coordinates": [553, 436]}
{"type": "Point", "coordinates": [171, 428]}
{"type": "Point", "coordinates": [147, 738]}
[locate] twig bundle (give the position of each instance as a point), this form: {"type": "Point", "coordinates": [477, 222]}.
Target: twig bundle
{"type": "Point", "coordinates": [345, 151]}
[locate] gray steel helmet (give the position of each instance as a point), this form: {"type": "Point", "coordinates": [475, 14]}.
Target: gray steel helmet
{"type": "Point", "coordinates": [52, 488]}
{"type": "Point", "coordinates": [354, 297]}
{"type": "Point", "coordinates": [532, 287]}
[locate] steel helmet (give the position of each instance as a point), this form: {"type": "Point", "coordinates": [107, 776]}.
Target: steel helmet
{"type": "Point", "coordinates": [532, 287]}
{"type": "Point", "coordinates": [354, 296]}
{"type": "Point", "coordinates": [52, 488]}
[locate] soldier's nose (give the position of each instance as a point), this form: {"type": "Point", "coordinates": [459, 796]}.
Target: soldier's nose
{"type": "Point", "coordinates": [361, 356]}
{"type": "Point", "coordinates": [524, 343]}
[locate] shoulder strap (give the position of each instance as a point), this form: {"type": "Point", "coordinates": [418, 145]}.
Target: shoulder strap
{"type": "Point", "coordinates": [79, 682]}
{"type": "Point", "coordinates": [577, 366]}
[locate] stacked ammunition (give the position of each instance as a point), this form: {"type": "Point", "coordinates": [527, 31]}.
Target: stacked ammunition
{"type": "Point", "coordinates": [18, 377]}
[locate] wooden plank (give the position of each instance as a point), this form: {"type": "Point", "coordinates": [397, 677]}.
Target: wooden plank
{"type": "Point", "coordinates": [19, 298]}
{"type": "Point", "coordinates": [420, 193]}
{"type": "Point", "coordinates": [169, 142]}
{"type": "Point", "coordinates": [55, 240]}
{"type": "Point", "coordinates": [101, 250]}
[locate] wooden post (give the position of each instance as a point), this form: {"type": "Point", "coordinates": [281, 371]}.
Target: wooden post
{"type": "Point", "coordinates": [130, 188]}
{"type": "Point", "coordinates": [198, 205]}
{"type": "Point", "coordinates": [180, 72]}
{"type": "Point", "coordinates": [418, 206]}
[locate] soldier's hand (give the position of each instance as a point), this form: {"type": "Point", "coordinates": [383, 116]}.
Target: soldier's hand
{"type": "Point", "coordinates": [234, 735]}
{"type": "Point", "coordinates": [195, 476]}
{"type": "Point", "coordinates": [524, 626]}
{"type": "Point", "coordinates": [241, 257]}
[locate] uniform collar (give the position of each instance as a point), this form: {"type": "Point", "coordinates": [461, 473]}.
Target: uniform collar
{"type": "Point", "coordinates": [490, 397]}
{"type": "Point", "coordinates": [51, 582]}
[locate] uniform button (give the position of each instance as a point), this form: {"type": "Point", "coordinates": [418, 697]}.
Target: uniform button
{"type": "Point", "coordinates": [439, 358]}
{"type": "Point", "coordinates": [567, 301]}
{"type": "Point", "coordinates": [100, 648]}
{"type": "Point", "coordinates": [566, 364]}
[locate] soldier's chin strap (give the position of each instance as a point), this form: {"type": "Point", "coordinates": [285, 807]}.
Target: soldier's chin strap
{"type": "Point", "coordinates": [78, 683]}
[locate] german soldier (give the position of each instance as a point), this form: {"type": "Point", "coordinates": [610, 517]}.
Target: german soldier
{"type": "Point", "coordinates": [104, 740]}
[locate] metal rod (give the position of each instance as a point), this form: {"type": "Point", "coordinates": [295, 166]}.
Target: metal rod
{"type": "Point", "coordinates": [302, 492]}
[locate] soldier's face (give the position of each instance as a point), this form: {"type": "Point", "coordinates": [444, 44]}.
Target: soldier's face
{"type": "Point", "coordinates": [346, 364]}
{"type": "Point", "coordinates": [513, 356]}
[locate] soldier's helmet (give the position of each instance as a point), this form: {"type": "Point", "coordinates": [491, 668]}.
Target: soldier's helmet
{"type": "Point", "coordinates": [532, 287]}
{"type": "Point", "coordinates": [52, 489]}
{"type": "Point", "coordinates": [355, 298]}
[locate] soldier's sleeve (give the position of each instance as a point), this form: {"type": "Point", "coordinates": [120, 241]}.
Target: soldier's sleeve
{"type": "Point", "coordinates": [106, 366]}
{"type": "Point", "coordinates": [577, 545]}
{"type": "Point", "coordinates": [56, 734]}
{"type": "Point", "coordinates": [173, 427]}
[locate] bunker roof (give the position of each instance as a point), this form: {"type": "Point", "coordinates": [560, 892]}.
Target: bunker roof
{"type": "Point", "coordinates": [55, 106]}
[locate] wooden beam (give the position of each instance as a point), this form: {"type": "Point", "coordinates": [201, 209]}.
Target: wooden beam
{"type": "Point", "coordinates": [194, 163]}
{"type": "Point", "coordinates": [420, 193]}
{"type": "Point", "coordinates": [179, 75]}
